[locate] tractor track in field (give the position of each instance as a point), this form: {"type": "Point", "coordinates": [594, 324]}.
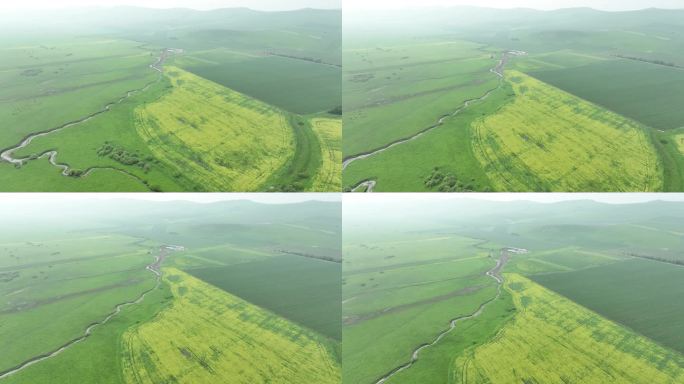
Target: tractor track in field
{"type": "Point", "coordinates": [7, 154]}
{"type": "Point", "coordinates": [498, 70]}
{"type": "Point", "coordinates": [155, 268]}
{"type": "Point", "coordinates": [494, 273]}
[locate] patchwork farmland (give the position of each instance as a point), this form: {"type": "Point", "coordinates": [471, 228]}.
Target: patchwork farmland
{"type": "Point", "coordinates": [129, 108]}
{"type": "Point", "coordinates": [477, 100]}
{"type": "Point", "coordinates": [107, 297]}
{"type": "Point", "coordinates": [462, 290]}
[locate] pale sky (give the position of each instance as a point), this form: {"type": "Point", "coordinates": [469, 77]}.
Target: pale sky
{"type": "Point", "coordinates": [612, 198]}
{"type": "Point", "coordinates": [268, 198]}
{"type": "Point", "coordinates": [609, 5]}
{"type": "Point", "coordinates": [264, 5]}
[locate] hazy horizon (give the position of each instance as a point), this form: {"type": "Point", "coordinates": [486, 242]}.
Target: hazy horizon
{"type": "Point", "coordinates": [202, 5]}
{"type": "Point", "coordinates": [556, 197]}
{"type": "Point", "coordinates": [207, 197]}
{"type": "Point", "coordinates": [545, 5]}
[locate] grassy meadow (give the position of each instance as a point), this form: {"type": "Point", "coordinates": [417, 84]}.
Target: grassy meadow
{"type": "Point", "coordinates": [393, 299]}
{"type": "Point", "coordinates": [396, 90]}
{"type": "Point", "coordinates": [55, 82]}
{"type": "Point", "coordinates": [53, 289]}
{"type": "Point", "coordinates": [212, 313]}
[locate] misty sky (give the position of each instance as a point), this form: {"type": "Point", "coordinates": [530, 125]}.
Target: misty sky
{"type": "Point", "coordinates": [265, 5]}
{"type": "Point", "coordinates": [613, 198]}
{"type": "Point", "coordinates": [609, 5]}
{"type": "Point", "coordinates": [269, 198]}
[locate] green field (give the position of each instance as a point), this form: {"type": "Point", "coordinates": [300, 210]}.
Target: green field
{"type": "Point", "coordinates": [394, 299]}
{"type": "Point", "coordinates": [297, 86]}
{"type": "Point", "coordinates": [302, 289]}
{"type": "Point", "coordinates": [394, 91]}
{"type": "Point", "coordinates": [448, 150]}
{"type": "Point", "coordinates": [52, 83]}
{"type": "Point", "coordinates": [637, 293]}
{"type": "Point", "coordinates": [53, 289]}
{"type": "Point", "coordinates": [611, 84]}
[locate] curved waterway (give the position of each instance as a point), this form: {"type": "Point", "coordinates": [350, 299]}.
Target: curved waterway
{"type": "Point", "coordinates": [8, 154]}
{"type": "Point", "coordinates": [155, 268]}
{"type": "Point", "coordinates": [497, 70]}
{"type": "Point", "coordinates": [494, 273]}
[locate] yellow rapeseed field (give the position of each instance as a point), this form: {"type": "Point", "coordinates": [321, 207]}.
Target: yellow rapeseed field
{"type": "Point", "coordinates": [329, 176]}
{"type": "Point", "coordinates": [549, 140]}
{"type": "Point", "coordinates": [220, 139]}
{"type": "Point", "coordinates": [209, 336]}
{"type": "Point", "coordinates": [679, 139]}
{"type": "Point", "coordinates": [555, 341]}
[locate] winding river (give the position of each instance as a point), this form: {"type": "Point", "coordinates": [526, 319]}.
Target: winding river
{"type": "Point", "coordinates": [155, 268]}
{"type": "Point", "coordinates": [497, 70]}
{"type": "Point", "coordinates": [494, 273]}
{"type": "Point", "coordinates": [8, 154]}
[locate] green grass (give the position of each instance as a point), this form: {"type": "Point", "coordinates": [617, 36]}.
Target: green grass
{"type": "Point", "coordinates": [641, 294]}
{"type": "Point", "coordinates": [298, 86]}
{"type": "Point", "coordinates": [401, 291]}
{"type": "Point", "coordinates": [298, 172]}
{"type": "Point", "coordinates": [54, 289]}
{"type": "Point", "coordinates": [669, 147]}
{"type": "Point", "coordinates": [41, 176]}
{"type": "Point", "coordinates": [435, 364]}
{"type": "Point", "coordinates": [80, 147]}
{"type": "Point", "coordinates": [648, 93]}
{"type": "Point", "coordinates": [304, 290]}
{"type": "Point", "coordinates": [76, 78]}
{"type": "Point", "coordinates": [448, 148]}
{"type": "Point", "coordinates": [102, 351]}
{"type": "Point", "coordinates": [393, 91]}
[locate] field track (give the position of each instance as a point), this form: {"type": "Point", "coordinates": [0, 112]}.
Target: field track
{"type": "Point", "coordinates": [7, 154]}
{"type": "Point", "coordinates": [494, 273]}
{"type": "Point", "coordinates": [497, 70]}
{"type": "Point", "coordinates": [164, 251]}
